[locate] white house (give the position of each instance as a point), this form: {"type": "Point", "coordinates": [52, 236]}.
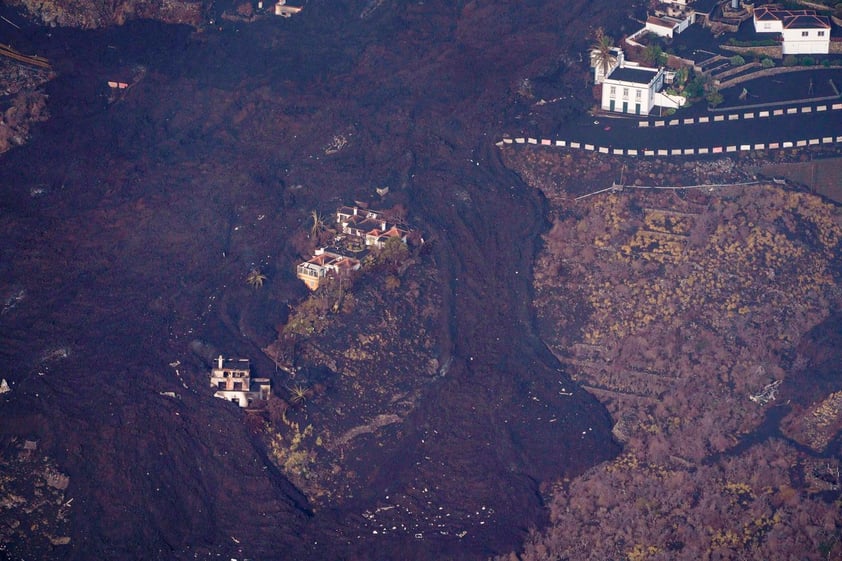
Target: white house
{"type": "Point", "coordinates": [806, 35]}
{"type": "Point", "coordinates": [632, 89]}
{"type": "Point", "coordinates": [360, 230]}
{"type": "Point", "coordinates": [802, 31]}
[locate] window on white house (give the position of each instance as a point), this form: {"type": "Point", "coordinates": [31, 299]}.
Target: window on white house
{"type": "Point", "coordinates": [637, 94]}
{"type": "Point", "coordinates": [613, 90]}
{"type": "Point", "coordinates": [821, 33]}
{"type": "Point", "coordinates": [805, 33]}
{"type": "Point", "coordinates": [625, 92]}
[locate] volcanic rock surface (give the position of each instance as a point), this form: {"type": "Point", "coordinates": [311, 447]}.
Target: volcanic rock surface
{"type": "Point", "coordinates": [129, 224]}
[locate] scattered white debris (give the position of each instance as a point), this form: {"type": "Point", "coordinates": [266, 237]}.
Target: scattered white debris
{"type": "Point", "coordinates": [13, 300]}
{"type": "Point", "coordinates": [4, 386]}
{"type": "Point", "coordinates": [55, 354]}
{"type": "Point", "coordinates": [767, 394]}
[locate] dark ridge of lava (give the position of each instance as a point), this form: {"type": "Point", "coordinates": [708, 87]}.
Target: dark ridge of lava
{"type": "Point", "coordinates": [121, 231]}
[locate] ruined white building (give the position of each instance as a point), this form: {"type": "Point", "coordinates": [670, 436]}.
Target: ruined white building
{"type": "Point", "coordinates": [233, 382]}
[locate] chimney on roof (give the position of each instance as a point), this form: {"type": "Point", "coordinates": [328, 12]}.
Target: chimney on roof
{"type": "Point", "coordinates": [219, 362]}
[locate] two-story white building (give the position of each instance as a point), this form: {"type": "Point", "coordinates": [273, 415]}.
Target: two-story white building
{"type": "Point", "coordinates": [231, 377]}
{"type": "Point", "coordinates": [632, 89]}
{"type": "Point", "coordinates": [802, 31]}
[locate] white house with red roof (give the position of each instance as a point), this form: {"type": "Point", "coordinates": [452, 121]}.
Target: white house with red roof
{"type": "Point", "coordinates": [371, 226]}
{"type": "Point", "coordinates": [359, 230]}
{"type": "Point", "coordinates": [802, 31]}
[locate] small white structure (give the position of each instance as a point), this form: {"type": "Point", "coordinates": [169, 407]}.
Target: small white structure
{"type": "Point", "coordinates": [232, 379]}
{"type": "Point", "coordinates": [281, 9]}
{"type": "Point", "coordinates": [669, 101]}
{"type": "Point", "coordinates": [631, 89]}
{"type": "Point", "coordinates": [668, 26]}
{"type": "Point", "coordinates": [802, 31]}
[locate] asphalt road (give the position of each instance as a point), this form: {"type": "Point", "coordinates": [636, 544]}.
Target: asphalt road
{"type": "Point", "coordinates": [625, 133]}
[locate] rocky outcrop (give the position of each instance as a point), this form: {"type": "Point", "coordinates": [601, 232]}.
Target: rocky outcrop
{"type": "Point", "coordinates": [34, 504]}
{"type": "Point", "coordinates": [26, 103]}
{"type": "Point", "coordinates": [27, 108]}
{"type": "Point", "coordinates": [89, 14]}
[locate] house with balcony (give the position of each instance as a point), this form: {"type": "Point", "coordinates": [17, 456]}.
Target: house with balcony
{"type": "Point", "coordinates": [231, 377]}
{"type": "Point", "coordinates": [326, 262]}
{"type": "Point", "coordinates": [802, 31]}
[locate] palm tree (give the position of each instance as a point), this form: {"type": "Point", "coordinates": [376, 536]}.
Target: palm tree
{"type": "Point", "coordinates": [299, 393]}
{"type": "Point", "coordinates": [602, 52]}
{"type": "Point", "coordinates": [318, 224]}
{"type": "Point", "coordinates": [255, 278]}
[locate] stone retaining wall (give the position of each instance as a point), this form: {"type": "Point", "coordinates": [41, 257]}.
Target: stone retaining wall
{"type": "Point", "coordinates": [736, 70]}
{"type": "Point", "coordinates": [769, 72]}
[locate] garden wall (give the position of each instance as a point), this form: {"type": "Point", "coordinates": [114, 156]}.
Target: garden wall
{"type": "Point", "coordinates": [771, 51]}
